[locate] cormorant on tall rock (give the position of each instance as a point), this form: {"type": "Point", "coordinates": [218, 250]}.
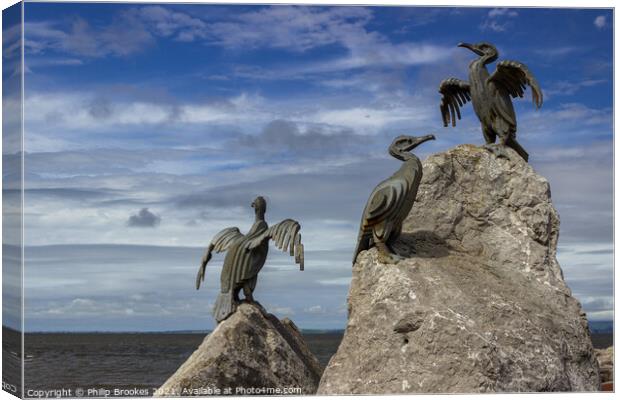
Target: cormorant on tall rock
{"type": "Point", "coordinates": [390, 202]}
{"type": "Point", "coordinates": [246, 255]}
{"type": "Point", "coordinates": [490, 96]}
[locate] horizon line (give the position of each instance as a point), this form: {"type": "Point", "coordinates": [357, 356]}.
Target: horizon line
{"type": "Point", "coordinates": [178, 331]}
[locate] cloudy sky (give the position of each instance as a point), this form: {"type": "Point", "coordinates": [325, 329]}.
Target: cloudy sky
{"type": "Point", "coordinates": [150, 128]}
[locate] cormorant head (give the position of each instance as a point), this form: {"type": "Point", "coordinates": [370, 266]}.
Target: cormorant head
{"type": "Point", "coordinates": [259, 205]}
{"type": "Point", "coordinates": [483, 49]}
{"type": "Point", "coordinates": [402, 145]}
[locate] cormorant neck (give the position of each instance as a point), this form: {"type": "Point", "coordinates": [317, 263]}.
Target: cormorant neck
{"type": "Point", "coordinates": [260, 216]}
{"type": "Point", "coordinates": [488, 58]}
{"type": "Point", "coordinates": [404, 156]}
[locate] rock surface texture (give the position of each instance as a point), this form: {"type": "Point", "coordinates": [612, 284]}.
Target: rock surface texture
{"type": "Point", "coordinates": [252, 350]}
{"type": "Point", "coordinates": [606, 364]}
{"type": "Point", "coordinates": [482, 306]}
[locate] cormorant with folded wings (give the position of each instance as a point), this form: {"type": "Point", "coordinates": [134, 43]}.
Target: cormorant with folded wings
{"type": "Point", "coordinates": [391, 201]}
{"type": "Point", "coordinates": [246, 255]}
{"type": "Point", "coordinates": [490, 96]}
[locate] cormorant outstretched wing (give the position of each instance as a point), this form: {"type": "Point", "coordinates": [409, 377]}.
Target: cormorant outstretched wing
{"type": "Point", "coordinates": [286, 237]}
{"type": "Point", "coordinates": [220, 242]}
{"type": "Point", "coordinates": [455, 94]}
{"type": "Point", "coordinates": [511, 77]}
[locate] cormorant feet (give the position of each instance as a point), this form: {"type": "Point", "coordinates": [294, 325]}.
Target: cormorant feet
{"type": "Point", "coordinates": [498, 149]}
{"type": "Point", "coordinates": [390, 258]}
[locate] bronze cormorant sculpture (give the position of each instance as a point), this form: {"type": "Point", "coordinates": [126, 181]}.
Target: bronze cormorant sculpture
{"type": "Point", "coordinates": [490, 96]}
{"type": "Point", "coordinates": [246, 255]}
{"type": "Point", "coordinates": [390, 202]}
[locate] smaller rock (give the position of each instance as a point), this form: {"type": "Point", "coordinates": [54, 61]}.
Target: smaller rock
{"type": "Point", "coordinates": [251, 352]}
{"type": "Point", "coordinates": [605, 359]}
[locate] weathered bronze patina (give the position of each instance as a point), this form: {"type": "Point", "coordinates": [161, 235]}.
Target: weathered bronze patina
{"type": "Point", "coordinates": [490, 96]}
{"type": "Point", "coordinates": [246, 255]}
{"type": "Point", "coordinates": [390, 202]}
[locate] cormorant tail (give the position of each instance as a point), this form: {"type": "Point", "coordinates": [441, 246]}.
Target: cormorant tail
{"type": "Point", "coordinates": [363, 243]}
{"type": "Point", "coordinates": [512, 143]}
{"type": "Point", "coordinates": [224, 306]}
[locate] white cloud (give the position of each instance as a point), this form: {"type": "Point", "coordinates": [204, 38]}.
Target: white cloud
{"type": "Point", "coordinates": [588, 268]}
{"type": "Point", "coordinates": [600, 22]}
{"type": "Point", "coordinates": [294, 28]}
{"type": "Point", "coordinates": [166, 22]}
{"type": "Point", "coordinates": [494, 26]}
{"type": "Point", "coordinates": [497, 19]}
{"type": "Point", "coordinates": [368, 120]}
{"type": "Point", "coordinates": [607, 315]}
{"type": "Point", "coordinates": [566, 88]}
{"type": "Point", "coordinates": [344, 281]}
{"type": "Point", "coordinates": [281, 312]}
{"type": "Point", "coordinates": [126, 35]}
{"type": "Point", "coordinates": [12, 119]}
{"type": "Point", "coordinates": [11, 41]}
{"type": "Point", "coordinates": [317, 309]}
{"type": "Point", "coordinates": [303, 28]}
{"type": "Point", "coordinates": [575, 120]}
{"type": "Point", "coordinates": [64, 117]}
{"type": "Point", "coordinates": [503, 12]}
{"type": "Point", "coordinates": [556, 51]}
{"type": "Point", "coordinates": [153, 283]}
{"type": "Point", "coordinates": [104, 308]}
{"type": "Point", "coordinates": [75, 110]}
{"type": "Point", "coordinates": [383, 53]}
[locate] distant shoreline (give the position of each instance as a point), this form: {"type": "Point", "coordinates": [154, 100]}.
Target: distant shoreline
{"type": "Point", "coordinates": [596, 327]}
{"type": "Point", "coordinates": [601, 337]}
{"type": "Point", "coordinates": [179, 332]}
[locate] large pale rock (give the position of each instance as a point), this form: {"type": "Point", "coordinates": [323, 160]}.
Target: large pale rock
{"type": "Point", "coordinates": [251, 352]}
{"type": "Point", "coordinates": [482, 307]}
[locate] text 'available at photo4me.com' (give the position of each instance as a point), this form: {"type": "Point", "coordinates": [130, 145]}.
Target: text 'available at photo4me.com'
{"type": "Point", "coordinates": [149, 392]}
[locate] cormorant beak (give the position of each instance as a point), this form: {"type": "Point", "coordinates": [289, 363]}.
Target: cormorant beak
{"type": "Point", "coordinates": [253, 205]}
{"type": "Point", "coordinates": [416, 141]}
{"type": "Point", "coordinates": [471, 47]}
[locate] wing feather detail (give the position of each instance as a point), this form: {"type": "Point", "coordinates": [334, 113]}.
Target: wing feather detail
{"type": "Point", "coordinates": [220, 242]}
{"type": "Point", "coordinates": [286, 237]}
{"type": "Point", "coordinates": [455, 94]}
{"type": "Point", "coordinates": [223, 239]}
{"type": "Point", "coordinates": [513, 77]}
{"type": "Point", "coordinates": [384, 202]}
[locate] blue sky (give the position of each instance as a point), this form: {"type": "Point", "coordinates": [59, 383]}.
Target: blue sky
{"type": "Point", "coordinates": [148, 128]}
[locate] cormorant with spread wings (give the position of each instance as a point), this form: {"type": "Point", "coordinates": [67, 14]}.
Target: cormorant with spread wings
{"type": "Point", "coordinates": [246, 255]}
{"type": "Point", "coordinates": [490, 96]}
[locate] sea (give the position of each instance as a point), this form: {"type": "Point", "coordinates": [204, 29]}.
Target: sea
{"type": "Point", "coordinates": [126, 363]}
{"type": "Point", "coordinates": [121, 364]}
